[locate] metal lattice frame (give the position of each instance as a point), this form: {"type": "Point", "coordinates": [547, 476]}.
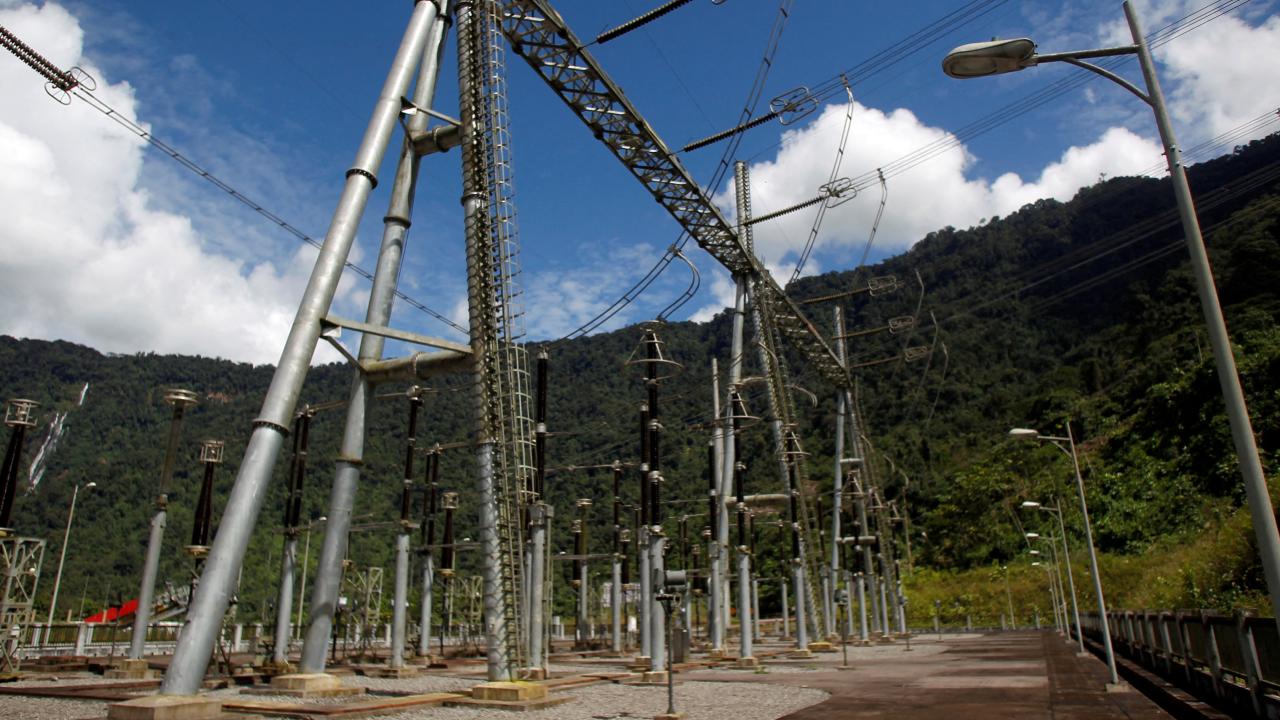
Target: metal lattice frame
{"type": "Point", "coordinates": [20, 562]}
{"type": "Point", "coordinates": [497, 330]}
{"type": "Point", "coordinates": [365, 588]}
{"type": "Point", "coordinates": [539, 35]}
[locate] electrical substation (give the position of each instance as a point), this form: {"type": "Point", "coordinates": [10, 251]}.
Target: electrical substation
{"type": "Point", "coordinates": [491, 582]}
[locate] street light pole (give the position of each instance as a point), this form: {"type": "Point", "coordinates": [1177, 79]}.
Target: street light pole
{"type": "Point", "coordinates": [1093, 562]}
{"type": "Point", "coordinates": [66, 535]}
{"type": "Point", "coordinates": [1008, 596]}
{"type": "Point", "coordinates": [1070, 450]}
{"type": "Point", "coordinates": [1066, 555]}
{"type": "Point", "coordinates": [979, 59]}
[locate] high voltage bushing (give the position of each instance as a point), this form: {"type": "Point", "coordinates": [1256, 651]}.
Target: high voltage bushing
{"type": "Point", "coordinates": [624, 542]}
{"type": "Point", "coordinates": [210, 456]}
{"type": "Point", "coordinates": [645, 437]}
{"type": "Point", "coordinates": [430, 499]}
{"type": "Point", "coordinates": [580, 539]}
{"type": "Point", "coordinates": [449, 501]}
{"type": "Point", "coordinates": [180, 400]}
{"type": "Point", "coordinates": [411, 443]}
{"type": "Point", "coordinates": [617, 505]}
{"type": "Point", "coordinates": [739, 418]}
{"type": "Point", "coordinates": [298, 471]}
{"type": "Point", "coordinates": [19, 414]}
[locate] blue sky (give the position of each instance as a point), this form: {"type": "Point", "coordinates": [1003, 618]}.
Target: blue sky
{"type": "Point", "coordinates": [116, 246]}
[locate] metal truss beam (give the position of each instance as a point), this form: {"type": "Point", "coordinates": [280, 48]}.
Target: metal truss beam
{"type": "Point", "coordinates": [538, 34]}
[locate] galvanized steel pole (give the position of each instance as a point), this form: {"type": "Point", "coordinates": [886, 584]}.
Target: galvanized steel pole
{"type": "Point", "coordinates": [180, 399]}
{"type": "Point", "coordinates": [1255, 481]}
{"type": "Point", "coordinates": [284, 600]}
{"type": "Point", "coordinates": [333, 549]}
{"type": "Point", "coordinates": [204, 616]}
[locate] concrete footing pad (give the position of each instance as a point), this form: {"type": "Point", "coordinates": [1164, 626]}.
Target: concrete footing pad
{"type": "Point", "coordinates": [166, 707]}
{"type": "Point", "coordinates": [1119, 687]}
{"type": "Point", "coordinates": [306, 685]}
{"type": "Point", "coordinates": [670, 716]}
{"type": "Point", "coordinates": [640, 663]}
{"type": "Point", "coordinates": [517, 696]}
{"type": "Point", "coordinates": [822, 646]}
{"type": "Point", "coordinates": [654, 677]}
{"type": "Point", "coordinates": [747, 663]}
{"type": "Point", "coordinates": [532, 673]}
{"type": "Point", "coordinates": [800, 654]}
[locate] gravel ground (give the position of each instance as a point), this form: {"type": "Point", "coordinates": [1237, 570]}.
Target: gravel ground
{"type": "Point", "coordinates": [67, 680]}
{"type": "Point", "coordinates": [699, 700]}
{"type": "Point", "coordinates": [50, 709]}
{"type": "Point", "coordinates": [53, 708]}
{"type": "Point", "coordinates": [425, 683]}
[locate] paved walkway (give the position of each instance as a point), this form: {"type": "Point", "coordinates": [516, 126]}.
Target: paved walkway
{"type": "Point", "coordinates": [1025, 675]}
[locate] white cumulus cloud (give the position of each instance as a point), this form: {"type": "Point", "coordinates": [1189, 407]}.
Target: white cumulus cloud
{"type": "Point", "coordinates": [87, 256]}
{"type": "Point", "coordinates": [930, 195]}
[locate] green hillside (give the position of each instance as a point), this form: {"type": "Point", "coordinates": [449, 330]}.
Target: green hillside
{"type": "Point", "coordinates": [1081, 310]}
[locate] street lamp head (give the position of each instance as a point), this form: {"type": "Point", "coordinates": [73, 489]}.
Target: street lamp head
{"type": "Point", "coordinates": [989, 58]}
{"type": "Point", "coordinates": [1030, 505]}
{"type": "Point", "coordinates": [1024, 434]}
{"type": "Point", "coordinates": [89, 485]}
{"type": "Point", "coordinates": [1033, 536]}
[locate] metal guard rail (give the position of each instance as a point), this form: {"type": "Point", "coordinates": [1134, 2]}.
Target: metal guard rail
{"type": "Point", "coordinates": [1231, 661]}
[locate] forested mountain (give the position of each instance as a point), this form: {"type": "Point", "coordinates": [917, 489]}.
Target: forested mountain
{"type": "Point", "coordinates": [1082, 310]}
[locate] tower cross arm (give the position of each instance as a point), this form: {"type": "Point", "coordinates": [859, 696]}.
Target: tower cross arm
{"type": "Point", "coordinates": [539, 34]}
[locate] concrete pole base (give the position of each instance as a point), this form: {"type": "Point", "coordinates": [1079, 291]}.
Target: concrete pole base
{"type": "Point", "coordinates": [131, 670]}
{"type": "Point", "coordinates": [518, 696]}
{"type": "Point", "coordinates": [800, 654]}
{"type": "Point", "coordinates": [1118, 687]}
{"type": "Point", "coordinates": [822, 646]}
{"type": "Point", "coordinates": [166, 707]}
{"type": "Point", "coordinates": [670, 716]}
{"type": "Point", "coordinates": [306, 685]}
{"type": "Point", "coordinates": [509, 691]}
{"type": "Point", "coordinates": [747, 663]}
{"type": "Point", "coordinates": [654, 677]}
{"type": "Point", "coordinates": [640, 663]}
{"type": "Point", "coordinates": [532, 673]}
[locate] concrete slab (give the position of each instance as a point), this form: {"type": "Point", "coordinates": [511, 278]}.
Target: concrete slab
{"type": "Point", "coordinates": [509, 691]}
{"type": "Point", "coordinates": [1024, 675]}
{"type": "Point", "coordinates": [166, 707]}
{"type": "Point", "coordinates": [305, 685]}
{"type": "Point", "coordinates": [512, 705]}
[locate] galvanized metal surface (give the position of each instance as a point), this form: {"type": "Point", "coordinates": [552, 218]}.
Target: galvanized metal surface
{"type": "Point", "coordinates": [222, 568]}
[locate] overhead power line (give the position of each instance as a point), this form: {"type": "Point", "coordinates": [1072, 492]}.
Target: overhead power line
{"type": "Point", "coordinates": [1029, 102]}
{"type": "Point", "coordinates": [748, 109]}
{"type": "Point", "coordinates": [78, 83]}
